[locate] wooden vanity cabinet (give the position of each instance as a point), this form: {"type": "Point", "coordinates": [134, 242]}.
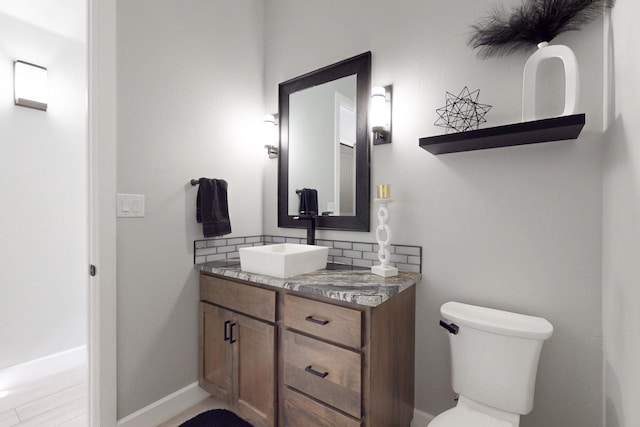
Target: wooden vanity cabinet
{"type": "Point", "coordinates": [237, 351]}
{"type": "Point", "coordinates": [333, 364]}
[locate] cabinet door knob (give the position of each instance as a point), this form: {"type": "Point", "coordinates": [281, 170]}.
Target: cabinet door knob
{"type": "Point", "coordinates": [317, 321]}
{"type": "Point", "coordinates": [316, 373]}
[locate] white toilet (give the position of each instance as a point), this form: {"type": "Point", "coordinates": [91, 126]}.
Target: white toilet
{"type": "Point", "coordinates": [494, 361]}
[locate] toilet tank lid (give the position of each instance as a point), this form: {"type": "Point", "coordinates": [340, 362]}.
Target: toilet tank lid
{"type": "Point", "coordinates": [497, 321]}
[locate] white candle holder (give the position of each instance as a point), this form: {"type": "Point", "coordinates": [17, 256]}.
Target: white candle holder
{"type": "Point", "coordinates": [383, 236]}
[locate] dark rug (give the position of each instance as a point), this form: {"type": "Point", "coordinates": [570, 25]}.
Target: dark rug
{"type": "Point", "coordinates": [216, 418]}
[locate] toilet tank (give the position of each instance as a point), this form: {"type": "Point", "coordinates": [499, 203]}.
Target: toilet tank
{"type": "Point", "coordinates": [494, 355]}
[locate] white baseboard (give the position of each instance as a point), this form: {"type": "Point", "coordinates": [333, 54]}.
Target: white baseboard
{"type": "Point", "coordinates": [165, 408]}
{"type": "Point", "coordinates": [42, 367]}
{"type": "Point", "coordinates": [421, 419]}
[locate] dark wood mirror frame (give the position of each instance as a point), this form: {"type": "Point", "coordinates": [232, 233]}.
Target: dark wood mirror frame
{"type": "Point", "coordinates": [360, 66]}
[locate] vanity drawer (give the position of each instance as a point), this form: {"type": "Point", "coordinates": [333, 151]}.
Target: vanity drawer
{"type": "Point", "coordinates": [326, 372]}
{"type": "Point", "coordinates": [251, 300]}
{"type": "Point", "coordinates": [327, 321]}
{"type": "Point", "coordinates": [299, 410]}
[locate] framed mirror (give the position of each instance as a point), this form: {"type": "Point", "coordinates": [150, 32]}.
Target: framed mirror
{"type": "Point", "coordinates": [324, 145]}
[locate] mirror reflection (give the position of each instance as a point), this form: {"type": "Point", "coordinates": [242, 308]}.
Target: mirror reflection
{"type": "Point", "coordinates": [324, 149]}
{"type": "Point", "coordinates": [322, 140]}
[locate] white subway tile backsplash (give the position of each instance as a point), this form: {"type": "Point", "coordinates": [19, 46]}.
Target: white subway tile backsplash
{"type": "Point", "coordinates": [370, 255]}
{"type": "Point", "coordinates": [408, 250]}
{"type": "Point", "coordinates": [343, 260]}
{"type": "Point", "coordinates": [236, 241]}
{"type": "Point", "coordinates": [362, 262]}
{"type": "Point", "coordinates": [352, 254]}
{"type": "Point", "coordinates": [216, 257]}
{"type": "Point", "coordinates": [335, 252]}
{"type": "Point", "coordinates": [409, 267]}
{"type": "Point", "coordinates": [399, 258]}
{"type": "Point", "coordinates": [361, 254]}
{"type": "Point", "coordinates": [342, 245]}
{"type": "Point", "coordinates": [207, 251]}
{"type": "Point", "coordinates": [364, 247]}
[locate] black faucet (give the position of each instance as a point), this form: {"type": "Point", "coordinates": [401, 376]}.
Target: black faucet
{"type": "Point", "coordinates": [310, 217]}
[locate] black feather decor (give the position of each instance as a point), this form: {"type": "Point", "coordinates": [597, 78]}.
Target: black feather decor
{"type": "Point", "coordinates": [533, 22]}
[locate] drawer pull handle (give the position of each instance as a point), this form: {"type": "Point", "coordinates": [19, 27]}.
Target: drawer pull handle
{"type": "Point", "coordinates": [316, 373]}
{"type": "Point", "coordinates": [317, 321]}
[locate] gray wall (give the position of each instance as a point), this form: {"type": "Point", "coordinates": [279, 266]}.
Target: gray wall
{"type": "Point", "coordinates": [43, 183]}
{"type": "Point", "coordinates": [514, 228]}
{"type": "Point", "coordinates": [189, 105]}
{"type": "Point", "coordinates": [621, 293]}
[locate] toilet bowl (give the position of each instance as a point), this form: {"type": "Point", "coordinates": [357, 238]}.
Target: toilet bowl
{"type": "Point", "coordinates": [494, 362]}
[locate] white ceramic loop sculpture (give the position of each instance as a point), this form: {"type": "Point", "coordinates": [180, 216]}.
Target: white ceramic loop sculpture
{"type": "Point", "coordinates": [383, 237]}
{"type": "Point", "coordinates": [572, 81]}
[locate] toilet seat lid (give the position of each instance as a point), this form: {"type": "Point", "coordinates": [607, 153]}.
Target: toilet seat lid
{"type": "Point", "coordinates": [465, 417]}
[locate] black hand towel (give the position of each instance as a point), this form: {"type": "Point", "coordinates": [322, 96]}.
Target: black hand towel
{"type": "Point", "coordinates": [308, 201]}
{"type": "Point", "coordinates": [212, 209]}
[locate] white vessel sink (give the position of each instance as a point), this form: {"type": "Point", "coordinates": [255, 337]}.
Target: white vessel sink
{"type": "Point", "coordinates": [284, 259]}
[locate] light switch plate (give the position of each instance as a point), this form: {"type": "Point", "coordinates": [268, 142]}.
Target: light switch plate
{"type": "Point", "coordinates": [129, 205]}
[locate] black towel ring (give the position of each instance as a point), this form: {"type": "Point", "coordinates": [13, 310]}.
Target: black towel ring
{"type": "Point", "coordinates": [195, 182]}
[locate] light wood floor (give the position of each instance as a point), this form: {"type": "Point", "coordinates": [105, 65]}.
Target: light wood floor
{"type": "Point", "coordinates": [61, 401]}
{"type": "Point", "coordinates": [55, 401]}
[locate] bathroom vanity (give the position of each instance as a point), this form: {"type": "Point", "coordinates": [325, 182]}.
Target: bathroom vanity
{"type": "Point", "coordinates": [330, 348]}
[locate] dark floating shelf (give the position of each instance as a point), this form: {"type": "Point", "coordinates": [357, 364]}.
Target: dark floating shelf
{"type": "Point", "coordinates": [546, 130]}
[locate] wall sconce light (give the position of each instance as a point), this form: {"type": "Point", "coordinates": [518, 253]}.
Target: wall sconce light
{"type": "Point", "coordinates": [270, 125]}
{"type": "Point", "coordinates": [30, 87]}
{"type": "Point", "coordinates": [381, 114]}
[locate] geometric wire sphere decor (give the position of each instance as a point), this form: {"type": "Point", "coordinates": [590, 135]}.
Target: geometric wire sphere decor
{"type": "Point", "coordinates": [462, 112]}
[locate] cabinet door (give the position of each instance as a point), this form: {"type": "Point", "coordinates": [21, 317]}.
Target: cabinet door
{"type": "Point", "coordinates": [254, 370]}
{"type": "Point", "coordinates": [215, 367]}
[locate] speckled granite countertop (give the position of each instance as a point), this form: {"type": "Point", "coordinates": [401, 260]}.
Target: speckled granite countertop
{"type": "Point", "coordinates": [354, 285]}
